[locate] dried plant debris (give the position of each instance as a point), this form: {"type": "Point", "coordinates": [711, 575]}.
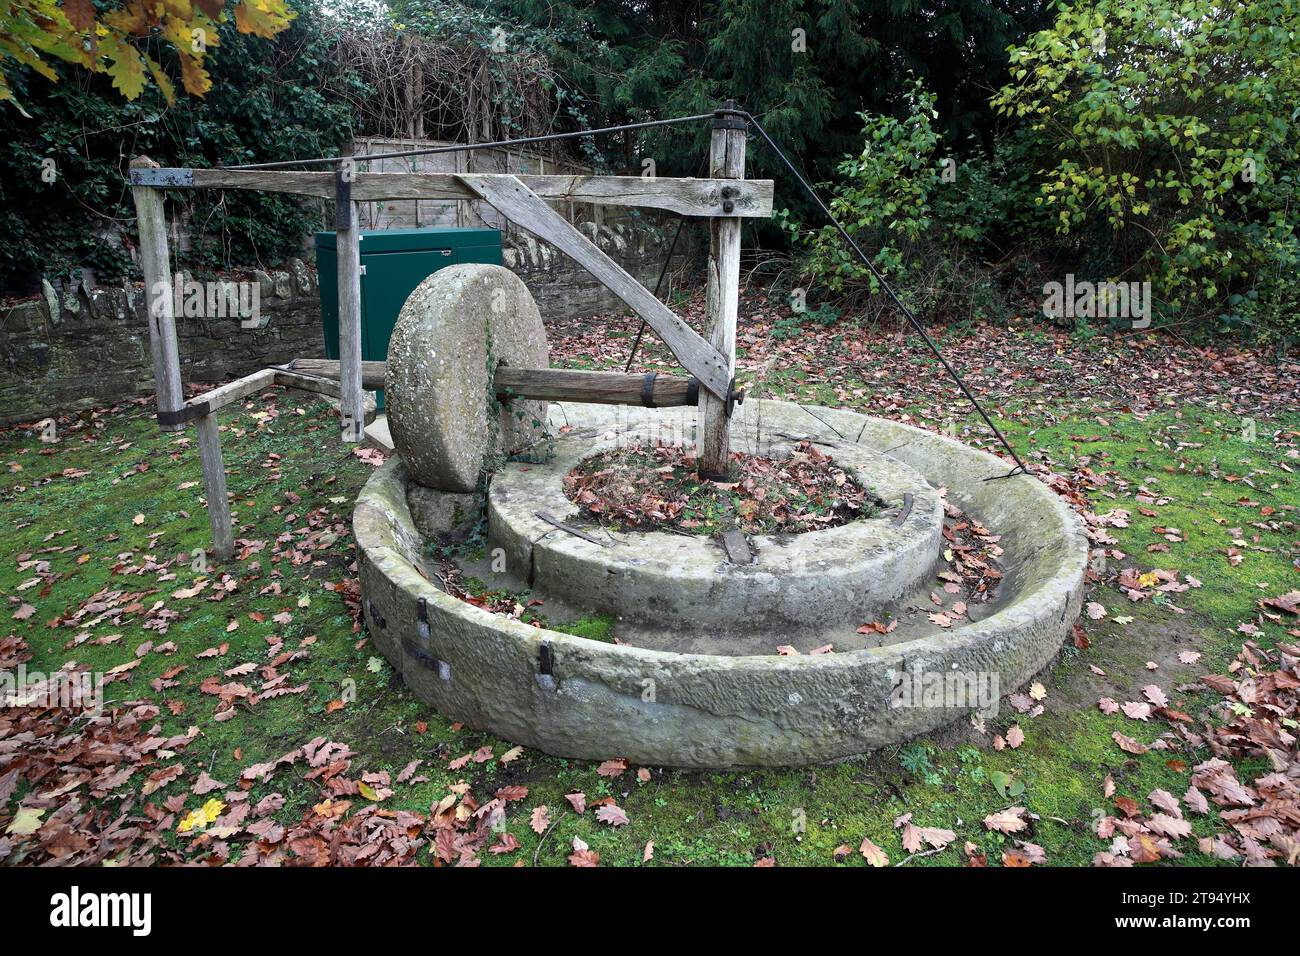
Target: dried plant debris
{"type": "Point", "coordinates": [649, 487]}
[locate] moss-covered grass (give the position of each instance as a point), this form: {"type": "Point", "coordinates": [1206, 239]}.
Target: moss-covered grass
{"type": "Point", "coordinates": [115, 494]}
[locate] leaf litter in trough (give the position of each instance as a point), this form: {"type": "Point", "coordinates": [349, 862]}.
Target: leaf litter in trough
{"type": "Point", "coordinates": [645, 487]}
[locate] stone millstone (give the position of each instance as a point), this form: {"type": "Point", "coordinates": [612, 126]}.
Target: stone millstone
{"type": "Point", "coordinates": [455, 329]}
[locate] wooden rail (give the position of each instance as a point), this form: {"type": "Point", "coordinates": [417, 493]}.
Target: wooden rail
{"type": "Point", "coordinates": [686, 197]}
{"type": "Point", "coordinates": [202, 410]}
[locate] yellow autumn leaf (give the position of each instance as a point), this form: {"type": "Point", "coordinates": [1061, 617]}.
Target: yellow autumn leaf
{"type": "Point", "coordinates": [202, 816]}
{"type": "Point", "coordinates": [26, 821]}
{"type": "Point", "coordinates": [127, 71]}
{"type": "Point", "coordinates": [367, 791]}
{"type": "Point", "coordinates": [263, 18]}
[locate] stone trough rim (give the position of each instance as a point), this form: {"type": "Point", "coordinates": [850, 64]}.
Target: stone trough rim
{"type": "Point", "coordinates": [1060, 590]}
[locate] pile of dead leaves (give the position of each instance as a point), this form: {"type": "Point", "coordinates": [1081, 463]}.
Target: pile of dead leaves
{"type": "Point", "coordinates": [971, 553]}
{"type": "Point", "coordinates": [71, 774]}
{"type": "Point", "coordinates": [1255, 721]}
{"type": "Point", "coordinates": [644, 488]}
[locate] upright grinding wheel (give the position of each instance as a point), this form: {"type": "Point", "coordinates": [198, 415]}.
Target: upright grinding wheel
{"type": "Point", "coordinates": [455, 329]}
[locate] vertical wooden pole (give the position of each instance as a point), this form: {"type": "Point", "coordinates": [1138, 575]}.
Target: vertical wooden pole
{"type": "Point", "coordinates": [347, 232]}
{"type": "Point", "coordinates": [214, 484]}
{"type": "Point", "coordinates": [726, 161]}
{"type": "Point", "coordinates": [159, 307]}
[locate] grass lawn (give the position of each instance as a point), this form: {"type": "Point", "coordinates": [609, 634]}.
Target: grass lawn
{"type": "Point", "coordinates": [101, 530]}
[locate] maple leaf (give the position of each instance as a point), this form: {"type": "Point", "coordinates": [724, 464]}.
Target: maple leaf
{"type": "Point", "coordinates": [263, 18]}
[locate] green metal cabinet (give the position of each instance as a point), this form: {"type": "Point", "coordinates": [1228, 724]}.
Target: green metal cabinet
{"type": "Point", "coordinates": [393, 263]}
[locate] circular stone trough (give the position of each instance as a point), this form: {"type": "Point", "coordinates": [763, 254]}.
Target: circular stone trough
{"type": "Point", "coordinates": [684, 587]}
{"type": "Point", "coordinates": [575, 697]}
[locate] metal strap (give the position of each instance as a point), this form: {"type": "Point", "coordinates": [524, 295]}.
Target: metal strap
{"type": "Point", "coordinates": [186, 413]}
{"type": "Point", "coordinates": [648, 390]}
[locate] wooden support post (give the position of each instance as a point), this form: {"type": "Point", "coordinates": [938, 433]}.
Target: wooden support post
{"type": "Point", "coordinates": [151, 221]}
{"type": "Point", "coordinates": [214, 484]}
{"type": "Point", "coordinates": [347, 231]}
{"type": "Point", "coordinates": [726, 159]}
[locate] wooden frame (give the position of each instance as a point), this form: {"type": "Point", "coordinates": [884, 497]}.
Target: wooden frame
{"type": "Point", "coordinates": [725, 198]}
{"type": "Point", "coordinates": [686, 197]}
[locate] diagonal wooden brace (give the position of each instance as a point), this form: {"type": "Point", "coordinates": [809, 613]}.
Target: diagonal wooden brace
{"type": "Point", "coordinates": [510, 197]}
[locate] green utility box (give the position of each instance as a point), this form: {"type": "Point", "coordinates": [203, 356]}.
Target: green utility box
{"type": "Point", "coordinates": [393, 263]}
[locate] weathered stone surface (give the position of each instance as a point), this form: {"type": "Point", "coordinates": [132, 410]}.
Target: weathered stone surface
{"type": "Point", "coordinates": [453, 331]}
{"type": "Point", "coordinates": [98, 352]}
{"type": "Point", "coordinates": [795, 584]}
{"type": "Point", "coordinates": [713, 710]}
{"type": "Point", "coordinates": [444, 514]}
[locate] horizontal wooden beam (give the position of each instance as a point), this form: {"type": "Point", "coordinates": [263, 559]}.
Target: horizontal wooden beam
{"type": "Point", "coordinates": [224, 395]}
{"type": "Point", "coordinates": [750, 198]}
{"type": "Point", "coordinates": [544, 384]}
{"type": "Point", "coordinates": [372, 373]}
{"type": "Point", "coordinates": [598, 388]}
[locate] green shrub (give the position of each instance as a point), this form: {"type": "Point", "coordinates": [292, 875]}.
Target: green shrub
{"type": "Point", "coordinates": [922, 211]}
{"type": "Point", "coordinates": [1168, 128]}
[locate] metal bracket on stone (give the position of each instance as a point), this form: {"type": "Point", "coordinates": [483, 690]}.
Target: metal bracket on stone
{"type": "Point", "coordinates": [186, 413]}
{"type": "Point", "coordinates": [161, 176]}
{"type": "Point", "coordinates": [422, 618]}
{"type": "Point", "coordinates": [576, 532]}
{"type": "Point", "coordinates": [737, 548]}
{"type": "Point", "coordinates": [907, 510]}
{"type": "Point", "coordinates": [545, 659]}
{"type": "Point", "coordinates": [418, 651]}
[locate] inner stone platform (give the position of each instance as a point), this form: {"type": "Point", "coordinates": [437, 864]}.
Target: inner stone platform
{"type": "Point", "coordinates": [685, 593]}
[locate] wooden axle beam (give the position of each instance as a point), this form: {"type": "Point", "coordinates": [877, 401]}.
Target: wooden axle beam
{"type": "Point", "coordinates": [549, 384]}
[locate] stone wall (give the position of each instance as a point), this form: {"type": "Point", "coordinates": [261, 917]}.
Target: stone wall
{"type": "Point", "coordinates": [77, 348]}
{"type": "Point", "coordinates": [74, 349]}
